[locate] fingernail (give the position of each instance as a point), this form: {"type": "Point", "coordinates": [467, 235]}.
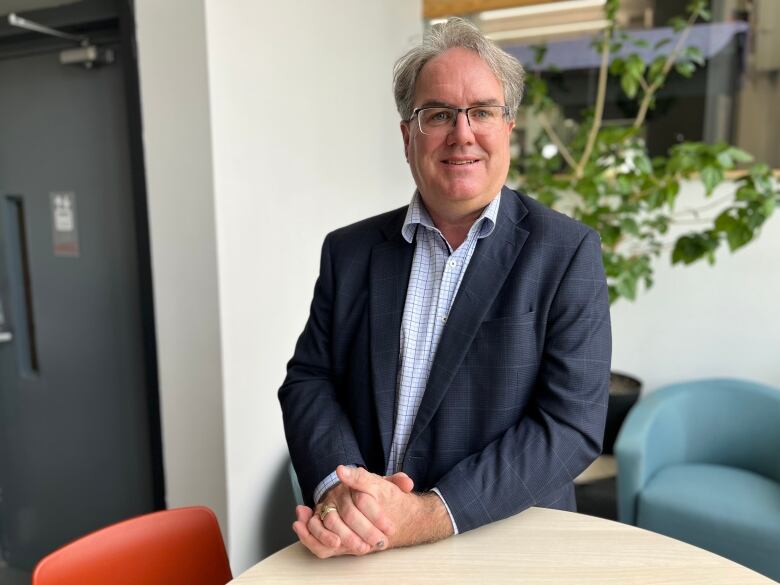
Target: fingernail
{"type": "Point", "coordinates": [347, 472]}
{"type": "Point", "coordinates": [380, 544]}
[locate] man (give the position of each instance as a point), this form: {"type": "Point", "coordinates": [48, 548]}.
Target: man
{"type": "Point", "coordinates": [458, 347]}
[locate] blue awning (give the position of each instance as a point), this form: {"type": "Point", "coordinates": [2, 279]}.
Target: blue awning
{"type": "Point", "coordinates": [710, 38]}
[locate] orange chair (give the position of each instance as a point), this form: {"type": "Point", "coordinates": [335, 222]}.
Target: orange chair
{"type": "Point", "coordinates": [173, 547]}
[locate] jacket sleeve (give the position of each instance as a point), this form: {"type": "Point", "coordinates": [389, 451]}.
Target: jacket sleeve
{"type": "Point", "coordinates": [319, 435]}
{"type": "Point", "coordinates": [561, 431]}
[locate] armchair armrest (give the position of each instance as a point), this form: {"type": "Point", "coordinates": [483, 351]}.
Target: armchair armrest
{"type": "Point", "coordinates": [652, 437]}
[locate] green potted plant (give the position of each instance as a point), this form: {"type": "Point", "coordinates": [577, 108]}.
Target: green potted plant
{"type": "Point", "coordinates": [604, 176]}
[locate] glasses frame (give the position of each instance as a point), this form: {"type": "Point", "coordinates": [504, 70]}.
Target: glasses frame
{"type": "Point", "coordinates": [457, 111]}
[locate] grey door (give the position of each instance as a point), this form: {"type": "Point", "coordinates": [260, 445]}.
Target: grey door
{"type": "Point", "coordinates": [76, 443]}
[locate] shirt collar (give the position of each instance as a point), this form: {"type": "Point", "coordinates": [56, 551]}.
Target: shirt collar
{"type": "Point", "coordinates": [417, 215]}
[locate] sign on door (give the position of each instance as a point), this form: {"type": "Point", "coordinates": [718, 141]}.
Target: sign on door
{"type": "Point", "coordinates": [65, 233]}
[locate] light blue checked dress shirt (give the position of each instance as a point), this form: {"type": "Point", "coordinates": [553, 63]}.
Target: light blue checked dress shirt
{"type": "Point", "coordinates": [437, 272]}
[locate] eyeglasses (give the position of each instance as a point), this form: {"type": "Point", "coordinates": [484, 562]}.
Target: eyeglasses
{"type": "Point", "coordinates": [482, 119]}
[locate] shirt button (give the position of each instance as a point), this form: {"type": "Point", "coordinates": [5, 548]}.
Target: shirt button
{"type": "Point", "coordinates": [444, 319]}
{"type": "Point", "coordinates": [453, 263]}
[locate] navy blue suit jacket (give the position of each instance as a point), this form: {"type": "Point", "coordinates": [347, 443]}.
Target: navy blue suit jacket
{"type": "Point", "coordinates": [515, 404]}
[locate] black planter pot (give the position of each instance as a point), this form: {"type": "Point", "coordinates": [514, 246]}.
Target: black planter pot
{"type": "Point", "coordinates": [623, 393]}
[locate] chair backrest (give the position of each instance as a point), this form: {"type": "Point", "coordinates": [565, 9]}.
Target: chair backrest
{"type": "Point", "coordinates": [716, 421]}
{"type": "Point", "coordinates": [720, 421]}
{"type": "Point", "coordinates": [174, 547]}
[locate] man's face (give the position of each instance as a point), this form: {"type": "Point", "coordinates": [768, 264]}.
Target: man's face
{"type": "Point", "coordinates": [457, 78]}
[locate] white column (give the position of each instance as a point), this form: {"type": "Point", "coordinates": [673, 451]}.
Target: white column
{"type": "Point", "coordinates": [274, 123]}
{"type": "Point", "coordinates": [171, 41]}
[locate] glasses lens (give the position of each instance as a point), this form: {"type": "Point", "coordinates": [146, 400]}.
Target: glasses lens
{"type": "Point", "coordinates": [485, 118]}
{"type": "Point", "coordinates": [482, 119]}
{"type": "Point", "coordinates": [435, 120]}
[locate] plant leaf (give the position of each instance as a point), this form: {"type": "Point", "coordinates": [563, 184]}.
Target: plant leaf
{"type": "Point", "coordinates": [768, 207]}
{"type": "Point", "coordinates": [539, 53]}
{"type": "Point", "coordinates": [711, 177]}
{"type": "Point", "coordinates": [694, 54]}
{"type": "Point", "coordinates": [739, 155]}
{"type": "Point", "coordinates": [630, 84]}
{"type": "Point", "coordinates": [635, 65]}
{"type": "Point", "coordinates": [630, 226]}
{"type": "Point", "coordinates": [685, 68]}
{"type": "Point", "coordinates": [626, 286]}
{"type": "Point", "coordinates": [617, 66]}
{"type": "Point", "coordinates": [678, 23]}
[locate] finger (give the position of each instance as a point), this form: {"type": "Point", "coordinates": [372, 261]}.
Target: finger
{"type": "Point", "coordinates": [371, 530]}
{"type": "Point", "coordinates": [322, 534]}
{"type": "Point", "coordinates": [314, 545]}
{"type": "Point", "coordinates": [370, 507]}
{"type": "Point", "coordinates": [350, 541]}
{"type": "Point", "coordinates": [303, 513]}
{"type": "Point", "coordinates": [402, 481]}
{"type": "Point", "coordinates": [360, 479]}
{"type": "Point", "coordinates": [366, 529]}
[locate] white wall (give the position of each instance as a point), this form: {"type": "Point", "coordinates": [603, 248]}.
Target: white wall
{"type": "Point", "coordinates": [171, 40]}
{"type": "Point", "coordinates": [305, 139]}
{"type": "Point", "coordinates": [275, 123]}
{"type": "Point", "coordinates": [705, 321]}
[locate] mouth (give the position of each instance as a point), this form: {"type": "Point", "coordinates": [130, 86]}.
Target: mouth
{"type": "Point", "coordinates": [460, 162]}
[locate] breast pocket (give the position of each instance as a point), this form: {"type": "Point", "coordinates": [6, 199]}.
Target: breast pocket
{"type": "Point", "coordinates": [506, 343]}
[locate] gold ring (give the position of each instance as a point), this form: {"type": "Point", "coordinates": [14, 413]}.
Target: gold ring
{"type": "Point", "coordinates": [327, 509]}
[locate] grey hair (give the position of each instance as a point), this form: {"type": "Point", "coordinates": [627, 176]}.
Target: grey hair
{"type": "Point", "coordinates": [455, 33]}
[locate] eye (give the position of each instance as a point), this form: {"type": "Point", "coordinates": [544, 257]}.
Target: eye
{"type": "Point", "coordinates": [482, 113]}
{"type": "Point", "coordinates": [437, 116]}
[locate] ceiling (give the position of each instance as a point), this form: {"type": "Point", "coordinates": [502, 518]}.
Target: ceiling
{"type": "Point", "coordinates": [532, 21]}
{"type": "Point", "coordinates": [442, 8]}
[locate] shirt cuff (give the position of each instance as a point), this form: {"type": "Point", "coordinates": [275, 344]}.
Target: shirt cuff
{"type": "Point", "coordinates": [443, 501]}
{"type": "Point", "coordinates": [327, 483]}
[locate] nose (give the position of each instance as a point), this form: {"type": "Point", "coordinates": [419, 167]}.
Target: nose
{"type": "Point", "coordinates": [461, 132]}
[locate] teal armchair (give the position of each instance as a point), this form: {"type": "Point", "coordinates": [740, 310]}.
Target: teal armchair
{"type": "Point", "coordinates": [700, 462]}
{"type": "Point", "coordinates": [296, 487]}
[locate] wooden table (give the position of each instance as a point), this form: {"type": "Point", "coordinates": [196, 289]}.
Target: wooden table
{"type": "Point", "coordinates": [603, 467]}
{"type": "Point", "coordinates": [539, 546]}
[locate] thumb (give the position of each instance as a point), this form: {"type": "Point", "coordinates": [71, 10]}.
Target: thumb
{"type": "Point", "coordinates": [401, 481]}
{"type": "Point", "coordinates": [359, 479]}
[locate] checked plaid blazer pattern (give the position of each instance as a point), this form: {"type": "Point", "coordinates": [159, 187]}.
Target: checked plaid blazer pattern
{"type": "Point", "coordinates": [516, 400]}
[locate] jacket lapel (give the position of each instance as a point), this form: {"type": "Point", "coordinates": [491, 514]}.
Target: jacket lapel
{"type": "Point", "coordinates": [391, 263]}
{"type": "Point", "coordinates": [490, 264]}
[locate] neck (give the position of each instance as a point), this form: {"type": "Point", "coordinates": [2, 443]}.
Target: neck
{"type": "Point", "coordinates": [454, 228]}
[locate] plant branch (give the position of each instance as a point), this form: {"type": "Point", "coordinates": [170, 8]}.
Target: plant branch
{"type": "Point", "coordinates": [693, 221]}
{"type": "Point", "coordinates": [645, 105]}
{"type": "Point", "coordinates": [696, 211]}
{"type": "Point", "coordinates": [598, 113]}
{"type": "Point", "coordinates": [556, 140]}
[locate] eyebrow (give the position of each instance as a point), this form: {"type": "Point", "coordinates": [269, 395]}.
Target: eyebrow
{"type": "Point", "coordinates": [441, 104]}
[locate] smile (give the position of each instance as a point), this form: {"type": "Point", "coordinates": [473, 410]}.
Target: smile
{"type": "Point", "coordinates": [460, 162]}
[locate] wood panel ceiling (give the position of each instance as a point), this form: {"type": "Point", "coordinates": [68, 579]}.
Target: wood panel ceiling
{"type": "Point", "coordinates": [441, 8]}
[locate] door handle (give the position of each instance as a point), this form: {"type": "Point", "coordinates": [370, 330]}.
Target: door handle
{"type": "Point", "coordinates": [20, 294]}
{"type": "Point", "coordinates": [5, 335]}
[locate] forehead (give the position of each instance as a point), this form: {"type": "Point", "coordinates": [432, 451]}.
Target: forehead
{"type": "Point", "coordinates": [458, 76]}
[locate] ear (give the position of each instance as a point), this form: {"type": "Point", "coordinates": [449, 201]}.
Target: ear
{"type": "Point", "coordinates": [406, 134]}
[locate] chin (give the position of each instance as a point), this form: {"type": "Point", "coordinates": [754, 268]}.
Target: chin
{"type": "Point", "coordinates": [467, 192]}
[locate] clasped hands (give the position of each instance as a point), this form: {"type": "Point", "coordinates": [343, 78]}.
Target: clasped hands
{"type": "Point", "coordinates": [372, 513]}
